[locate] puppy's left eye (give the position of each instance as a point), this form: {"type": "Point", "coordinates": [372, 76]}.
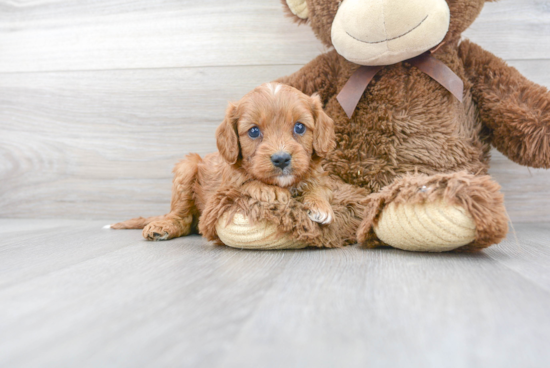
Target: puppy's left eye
{"type": "Point", "coordinates": [254, 132]}
{"type": "Point", "coordinates": [299, 128]}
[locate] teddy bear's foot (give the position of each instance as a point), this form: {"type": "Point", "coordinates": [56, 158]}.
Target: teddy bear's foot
{"type": "Point", "coordinates": [438, 213]}
{"type": "Point", "coordinates": [241, 233]}
{"type": "Point", "coordinates": [426, 227]}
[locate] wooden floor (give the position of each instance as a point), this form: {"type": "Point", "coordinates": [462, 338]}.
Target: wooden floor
{"type": "Point", "coordinates": [75, 295]}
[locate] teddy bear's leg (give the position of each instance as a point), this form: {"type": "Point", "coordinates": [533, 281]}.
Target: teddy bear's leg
{"type": "Point", "coordinates": [283, 225]}
{"type": "Point", "coordinates": [238, 220]}
{"type": "Point", "coordinates": [241, 233]}
{"type": "Point", "coordinates": [438, 213]}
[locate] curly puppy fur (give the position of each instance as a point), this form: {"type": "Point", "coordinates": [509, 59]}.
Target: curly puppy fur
{"type": "Point", "coordinates": [244, 175]}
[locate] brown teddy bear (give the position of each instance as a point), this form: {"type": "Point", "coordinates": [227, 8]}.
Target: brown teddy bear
{"type": "Point", "coordinates": [416, 112]}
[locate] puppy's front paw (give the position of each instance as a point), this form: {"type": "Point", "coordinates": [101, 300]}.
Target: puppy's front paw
{"type": "Point", "coordinates": [320, 215]}
{"type": "Point", "coordinates": [155, 232]}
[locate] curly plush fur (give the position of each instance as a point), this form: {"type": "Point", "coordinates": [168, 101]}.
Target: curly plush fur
{"type": "Point", "coordinates": [479, 194]}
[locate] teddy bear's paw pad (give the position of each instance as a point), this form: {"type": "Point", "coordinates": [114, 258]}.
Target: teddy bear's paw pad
{"type": "Point", "coordinates": [320, 217]}
{"type": "Point", "coordinates": [240, 233]}
{"type": "Point", "coordinates": [425, 227]}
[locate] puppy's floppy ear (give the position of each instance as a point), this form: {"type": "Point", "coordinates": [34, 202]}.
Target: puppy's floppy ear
{"type": "Point", "coordinates": [324, 138]}
{"type": "Point", "coordinates": [227, 136]}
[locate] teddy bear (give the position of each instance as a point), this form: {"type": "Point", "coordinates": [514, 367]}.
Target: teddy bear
{"type": "Point", "coordinates": [416, 111]}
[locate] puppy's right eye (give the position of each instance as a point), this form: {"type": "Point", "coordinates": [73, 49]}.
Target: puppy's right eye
{"type": "Point", "coordinates": [254, 132]}
{"type": "Point", "coordinates": [299, 128]}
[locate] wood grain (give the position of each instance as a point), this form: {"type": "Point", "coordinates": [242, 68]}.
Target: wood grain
{"type": "Point", "coordinates": [82, 296]}
{"type": "Point", "coordinates": [122, 34]}
{"type": "Point", "coordinates": [527, 252]}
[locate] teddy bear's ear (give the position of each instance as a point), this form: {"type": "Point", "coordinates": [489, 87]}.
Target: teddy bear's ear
{"type": "Point", "coordinates": [296, 9]}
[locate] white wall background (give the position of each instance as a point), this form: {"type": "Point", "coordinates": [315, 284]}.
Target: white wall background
{"type": "Point", "coordinates": [99, 99]}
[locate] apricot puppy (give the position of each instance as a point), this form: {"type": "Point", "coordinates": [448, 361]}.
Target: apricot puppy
{"type": "Point", "coordinates": [270, 147]}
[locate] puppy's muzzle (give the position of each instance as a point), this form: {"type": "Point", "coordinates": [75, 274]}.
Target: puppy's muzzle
{"type": "Point", "coordinates": [281, 160]}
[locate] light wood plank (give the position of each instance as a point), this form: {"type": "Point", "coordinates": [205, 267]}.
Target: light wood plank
{"type": "Point", "coordinates": [35, 252]}
{"type": "Point", "coordinates": [16, 226]}
{"type": "Point", "coordinates": [527, 252]}
{"type": "Point", "coordinates": [130, 306]}
{"type": "Point", "coordinates": [391, 308]}
{"type": "Point", "coordinates": [121, 34]}
{"type": "Point", "coordinates": [187, 303]}
{"type": "Point", "coordinates": [514, 29]}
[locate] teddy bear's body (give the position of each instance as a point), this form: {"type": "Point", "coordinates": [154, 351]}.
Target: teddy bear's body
{"type": "Point", "coordinates": [411, 142]}
{"type": "Point", "coordinates": [405, 122]}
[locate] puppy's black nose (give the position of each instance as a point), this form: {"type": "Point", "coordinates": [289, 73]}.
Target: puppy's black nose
{"type": "Point", "coordinates": [281, 159]}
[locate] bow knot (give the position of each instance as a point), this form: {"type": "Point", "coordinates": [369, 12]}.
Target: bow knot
{"type": "Point", "coordinates": [357, 84]}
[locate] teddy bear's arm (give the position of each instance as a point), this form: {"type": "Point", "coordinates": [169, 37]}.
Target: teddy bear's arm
{"type": "Point", "coordinates": [316, 77]}
{"type": "Point", "coordinates": [516, 110]}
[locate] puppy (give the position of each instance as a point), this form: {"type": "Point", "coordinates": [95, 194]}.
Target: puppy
{"type": "Point", "coordinates": [270, 147]}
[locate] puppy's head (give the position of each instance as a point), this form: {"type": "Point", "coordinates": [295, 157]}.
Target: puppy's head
{"type": "Point", "coordinates": [275, 133]}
